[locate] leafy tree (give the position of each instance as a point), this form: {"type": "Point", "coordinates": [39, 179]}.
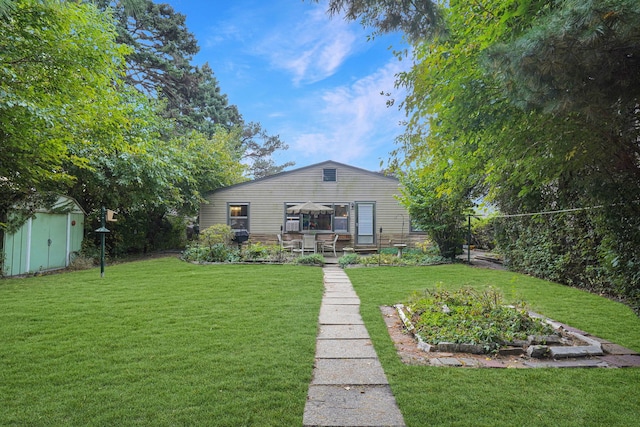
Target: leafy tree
{"type": "Point", "coordinates": [156, 182]}
{"type": "Point", "coordinates": [60, 85]}
{"type": "Point", "coordinates": [417, 19]}
{"type": "Point", "coordinates": [162, 46]}
{"type": "Point", "coordinates": [517, 96]}
{"type": "Point", "coordinates": [258, 146]}
{"type": "Point", "coordinates": [438, 209]}
{"type": "Point", "coordinates": [204, 107]}
{"type": "Point", "coordinates": [159, 65]}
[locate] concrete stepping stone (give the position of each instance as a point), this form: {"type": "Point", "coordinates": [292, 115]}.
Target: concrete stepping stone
{"type": "Point", "coordinates": [346, 293]}
{"type": "Point", "coordinates": [331, 300]}
{"type": "Point", "coordinates": [348, 372]}
{"type": "Point", "coordinates": [338, 287]}
{"type": "Point", "coordinates": [578, 363]}
{"type": "Point", "coordinates": [349, 387]}
{"type": "Point", "coordinates": [329, 309]}
{"type": "Point", "coordinates": [335, 318]}
{"type": "Point", "coordinates": [340, 332]}
{"type": "Point", "coordinates": [357, 406]}
{"type": "Point", "coordinates": [345, 349]}
{"type": "Point", "coordinates": [622, 360]}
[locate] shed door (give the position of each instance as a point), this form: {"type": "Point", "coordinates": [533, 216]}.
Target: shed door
{"type": "Point", "coordinates": [48, 242]}
{"type": "Point", "coordinates": [365, 223]}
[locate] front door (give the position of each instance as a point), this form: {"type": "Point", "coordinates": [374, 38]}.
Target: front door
{"type": "Point", "coordinates": [365, 223]}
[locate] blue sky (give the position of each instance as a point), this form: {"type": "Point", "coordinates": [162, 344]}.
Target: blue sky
{"type": "Point", "coordinates": [312, 79]}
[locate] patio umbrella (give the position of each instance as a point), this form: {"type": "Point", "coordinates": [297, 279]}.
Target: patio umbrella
{"type": "Point", "coordinates": [309, 208]}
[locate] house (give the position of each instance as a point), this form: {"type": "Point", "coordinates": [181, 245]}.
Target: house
{"type": "Point", "coordinates": [363, 202]}
{"type": "Point", "coordinates": [45, 241]}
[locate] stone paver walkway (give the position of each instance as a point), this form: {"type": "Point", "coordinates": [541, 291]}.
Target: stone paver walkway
{"type": "Point", "coordinates": [349, 387]}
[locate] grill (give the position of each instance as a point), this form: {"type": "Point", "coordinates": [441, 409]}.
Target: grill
{"type": "Point", "coordinates": [240, 236]}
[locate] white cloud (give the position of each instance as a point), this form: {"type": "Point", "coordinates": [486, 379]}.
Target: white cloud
{"type": "Point", "coordinates": [312, 49]}
{"type": "Point", "coordinates": [353, 121]}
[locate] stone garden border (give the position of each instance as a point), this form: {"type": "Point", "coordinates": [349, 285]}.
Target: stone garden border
{"type": "Point", "coordinates": [596, 352]}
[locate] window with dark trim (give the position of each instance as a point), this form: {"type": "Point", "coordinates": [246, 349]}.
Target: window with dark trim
{"type": "Point", "coordinates": [238, 216]}
{"type": "Point", "coordinates": [329, 175]}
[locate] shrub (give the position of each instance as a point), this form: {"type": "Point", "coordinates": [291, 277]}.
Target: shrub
{"type": "Point", "coordinates": [195, 253]}
{"type": "Point", "coordinates": [255, 251]}
{"type": "Point", "coordinates": [348, 259]}
{"type": "Point", "coordinates": [315, 259]}
{"type": "Point", "coordinates": [382, 259]}
{"type": "Point", "coordinates": [414, 257]}
{"type": "Point", "coordinates": [216, 234]}
{"type": "Point", "coordinates": [216, 253]}
{"type": "Point", "coordinates": [483, 233]}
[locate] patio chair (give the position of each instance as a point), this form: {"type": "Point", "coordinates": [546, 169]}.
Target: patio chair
{"type": "Point", "coordinates": [330, 244]}
{"type": "Point", "coordinates": [290, 246]}
{"type": "Point", "coordinates": [308, 244]}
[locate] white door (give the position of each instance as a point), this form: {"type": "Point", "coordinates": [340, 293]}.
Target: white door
{"type": "Point", "coordinates": [365, 223]}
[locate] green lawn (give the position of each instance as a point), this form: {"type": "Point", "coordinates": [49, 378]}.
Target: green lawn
{"type": "Point", "coordinates": [505, 397]}
{"type": "Point", "coordinates": [163, 342]}
{"type": "Point", "coordinates": [159, 343]}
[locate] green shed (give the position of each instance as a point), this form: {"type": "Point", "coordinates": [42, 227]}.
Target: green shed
{"type": "Point", "coordinates": [46, 241]}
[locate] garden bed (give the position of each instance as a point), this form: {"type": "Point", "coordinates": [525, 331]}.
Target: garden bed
{"type": "Point", "coordinates": [411, 352]}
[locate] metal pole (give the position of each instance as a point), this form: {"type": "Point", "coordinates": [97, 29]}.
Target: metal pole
{"type": "Point", "coordinates": [102, 225]}
{"type": "Point", "coordinates": [469, 242]}
{"type": "Point", "coordinates": [379, 245]}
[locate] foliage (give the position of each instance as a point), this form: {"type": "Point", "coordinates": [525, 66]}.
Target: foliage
{"type": "Point", "coordinates": [258, 146]}
{"type": "Point", "coordinates": [217, 252]}
{"type": "Point", "coordinates": [60, 88]}
{"type": "Point", "coordinates": [348, 259]}
{"type": "Point", "coordinates": [81, 262]}
{"type": "Point", "coordinates": [417, 19]}
{"type": "Point", "coordinates": [162, 48]}
{"type": "Point", "coordinates": [216, 234]}
{"type": "Point", "coordinates": [579, 57]}
{"type": "Point", "coordinates": [533, 105]}
{"type": "Point", "coordinates": [470, 316]}
{"type": "Point", "coordinates": [483, 234]}
{"type": "Point", "coordinates": [156, 181]}
{"type": "Point", "coordinates": [203, 252]}
{"type": "Point", "coordinates": [314, 259]}
{"type": "Point", "coordinates": [388, 256]}
{"type": "Point", "coordinates": [260, 252]}
{"type": "Point", "coordinates": [378, 259]}
{"type": "Point", "coordinates": [438, 212]}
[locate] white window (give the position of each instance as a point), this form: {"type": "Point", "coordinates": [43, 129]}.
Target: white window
{"type": "Point", "coordinates": [341, 217]}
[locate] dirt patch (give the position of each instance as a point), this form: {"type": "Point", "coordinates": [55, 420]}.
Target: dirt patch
{"type": "Point", "coordinates": [407, 348]}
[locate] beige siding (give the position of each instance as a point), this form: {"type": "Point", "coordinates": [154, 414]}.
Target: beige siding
{"type": "Point", "coordinates": [267, 197]}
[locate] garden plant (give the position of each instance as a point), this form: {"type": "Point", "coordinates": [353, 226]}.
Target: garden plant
{"type": "Point", "coordinates": [472, 316]}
